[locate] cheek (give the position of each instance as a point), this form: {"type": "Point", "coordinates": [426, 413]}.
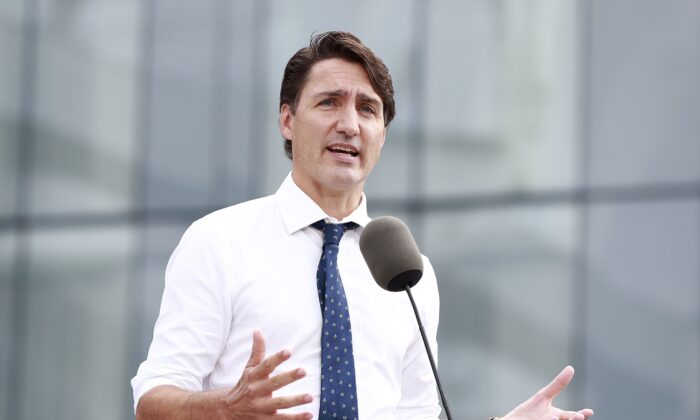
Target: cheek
{"type": "Point", "coordinates": [379, 143]}
{"type": "Point", "coordinates": [375, 152]}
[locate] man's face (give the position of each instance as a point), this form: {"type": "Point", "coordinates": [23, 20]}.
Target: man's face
{"type": "Point", "coordinates": [337, 131]}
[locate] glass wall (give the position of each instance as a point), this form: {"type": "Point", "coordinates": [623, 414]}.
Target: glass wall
{"type": "Point", "coordinates": [545, 154]}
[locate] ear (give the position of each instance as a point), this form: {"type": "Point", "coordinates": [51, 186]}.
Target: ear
{"type": "Point", "coordinates": [286, 122]}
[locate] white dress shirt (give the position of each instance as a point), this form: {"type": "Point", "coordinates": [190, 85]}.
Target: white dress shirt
{"type": "Point", "coordinates": [253, 266]}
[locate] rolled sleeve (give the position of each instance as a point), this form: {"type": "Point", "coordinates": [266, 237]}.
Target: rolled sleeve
{"type": "Point", "coordinates": [194, 318]}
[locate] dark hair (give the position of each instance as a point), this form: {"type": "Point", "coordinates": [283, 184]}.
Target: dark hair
{"type": "Point", "coordinates": [335, 44]}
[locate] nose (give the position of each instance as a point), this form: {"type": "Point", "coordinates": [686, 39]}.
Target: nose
{"type": "Point", "coordinates": [348, 121]}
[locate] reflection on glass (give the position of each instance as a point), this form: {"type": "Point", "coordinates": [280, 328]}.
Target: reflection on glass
{"type": "Point", "coordinates": [644, 320]}
{"type": "Point", "coordinates": [500, 274]}
{"type": "Point", "coordinates": [83, 115]}
{"type": "Point", "coordinates": [6, 271]}
{"type": "Point", "coordinates": [77, 334]}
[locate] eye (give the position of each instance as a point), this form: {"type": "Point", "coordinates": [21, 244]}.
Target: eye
{"type": "Point", "coordinates": [327, 102]}
{"type": "Point", "coordinates": [368, 109]}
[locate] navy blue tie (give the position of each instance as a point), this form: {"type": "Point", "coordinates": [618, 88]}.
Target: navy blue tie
{"type": "Point", "coordinates": [338, 391]}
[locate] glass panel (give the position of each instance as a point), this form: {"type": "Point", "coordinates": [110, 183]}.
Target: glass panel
{"type": "Point", "coordinates": [180, 86]}
{"type": "Point", "coordinates": [6, 297]}
{"type": "Point", "coordinates": [643, 338]}
{"type": "Point", "coordinates": [506, 283]}
{"type": "Point", "coordinates": [84, 119]}
{"type": "Point", "coordinates": [77, 334]}
{"type": "Point", "coordinates": [644, 103]}
{"type": "Point", "coordinates": [203, 119]}
{"type": "Point", "coordinates": [236, 118]}
{"type": "Point", "coordinates": [500, 110]}
{"type": "Point", "coordinates": [10, 91]}
{"type": "Point", "coordinates": [8, 163]}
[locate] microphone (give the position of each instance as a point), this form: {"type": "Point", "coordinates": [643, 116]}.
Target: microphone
{"type": "Point", "coordinates": [396, 264]}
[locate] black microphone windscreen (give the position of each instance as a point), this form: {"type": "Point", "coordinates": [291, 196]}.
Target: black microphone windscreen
{"type": "Point", "coordinates": [391, 253]}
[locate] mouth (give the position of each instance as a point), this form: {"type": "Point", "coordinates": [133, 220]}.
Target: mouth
{"type": "Point", "coordinates": [344, 149]}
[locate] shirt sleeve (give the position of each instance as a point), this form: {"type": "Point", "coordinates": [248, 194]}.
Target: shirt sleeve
{"type": "Point", "coordinates": [194, 319]}
{"type": "Point", "coordinates": [419, 396]}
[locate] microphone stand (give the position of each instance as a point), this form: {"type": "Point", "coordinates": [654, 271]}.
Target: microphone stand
{"type": "Point", "coordinates": [430, 353]}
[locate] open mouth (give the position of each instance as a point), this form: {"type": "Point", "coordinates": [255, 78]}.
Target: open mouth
{"type": "Point", "coordinates": [344, 149]}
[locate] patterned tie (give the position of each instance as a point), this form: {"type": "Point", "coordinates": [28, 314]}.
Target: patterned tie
{"type": "Point", "coordinates": [338, 394]}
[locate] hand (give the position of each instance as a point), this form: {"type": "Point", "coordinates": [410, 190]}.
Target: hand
{"type": "Point", "coordinates": [252, 398]}
{"type": "Point", "coordinates": [539, 406]}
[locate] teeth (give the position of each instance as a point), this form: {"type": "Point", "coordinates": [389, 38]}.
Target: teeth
{"type": "Point", "coordinates": [344, 150]}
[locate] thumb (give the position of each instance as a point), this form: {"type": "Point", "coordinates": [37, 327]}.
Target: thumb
{"type": "Point", "coordinates": [558, 384]}
{"type": "Point", "coordinates": [257, 353]}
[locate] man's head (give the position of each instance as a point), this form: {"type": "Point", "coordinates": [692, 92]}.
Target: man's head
{"type": "Point", "coordinates": [335, 105]}
{"type": "Point", "coordinates": [329, 45]}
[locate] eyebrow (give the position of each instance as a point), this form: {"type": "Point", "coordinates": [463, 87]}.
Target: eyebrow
{"type": "Point", "coordinates": [339, 93]}
{"type": "Point", "coordinates": [364, 98]}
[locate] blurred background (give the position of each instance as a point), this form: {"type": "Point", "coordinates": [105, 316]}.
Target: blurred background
{"type": "Point", "coordinates": [546, 155]}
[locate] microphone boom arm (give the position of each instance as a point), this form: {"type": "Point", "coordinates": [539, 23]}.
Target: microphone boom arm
{"type": "Point", "coordinates": [430, 353]}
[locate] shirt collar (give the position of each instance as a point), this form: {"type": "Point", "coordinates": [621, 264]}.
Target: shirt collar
{"type": "Point", "coordinates": [299, 210]}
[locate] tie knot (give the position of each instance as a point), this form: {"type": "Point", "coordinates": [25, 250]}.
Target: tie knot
{"type": "Point", "coordinates": [333, 232]}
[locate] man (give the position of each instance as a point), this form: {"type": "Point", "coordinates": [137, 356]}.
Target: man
{"type": "Point", "coordinates": [285, 272]}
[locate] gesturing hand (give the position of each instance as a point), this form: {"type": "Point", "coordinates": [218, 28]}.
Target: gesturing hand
{"type": "Point", "coordinates": [539, 406]}
{"type": "Point", "coordinates": [252, 398]}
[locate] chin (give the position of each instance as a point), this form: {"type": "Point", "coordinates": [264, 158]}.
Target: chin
{"type": "Point", "coordinates": [346, 179]}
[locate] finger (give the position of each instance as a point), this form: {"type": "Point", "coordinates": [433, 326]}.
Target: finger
{"type": "Point", "coordinates": [287, 401]}
{"type": "Point", "coordinates": [257, 353]}
{"type": "Point", "coordinates": [267, 366]}
{"type": "Point", "coordinates": [558, 384]}
{"type": "Point", "coordinates": [581, 414]}
{"type": "Point", "coordinates": [586, 413]}
{"type": "Point", "coordinates": [300, 416]}
{"type": "Point", "coordinates": [276, 382]}
{"type": "Point", "coordinates": [571, 415]}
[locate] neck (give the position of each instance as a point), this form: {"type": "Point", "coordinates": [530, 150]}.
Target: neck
{"type": "Point", "coordinates": [338, 208]}
{"type": "Point", "coordinates": [335, 203]}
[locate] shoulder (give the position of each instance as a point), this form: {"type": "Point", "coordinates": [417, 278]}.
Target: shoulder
{"type": "Point", "coordinates": [426, 291]}
{"type": "Point", "coordinates": [238, 215]}
{"type": "Point", "coordinates": [428, 272]}
{"type": "Point", "coordinates": [231, 225]}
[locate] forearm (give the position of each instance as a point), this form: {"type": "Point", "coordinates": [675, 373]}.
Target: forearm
{"type": "Point", "coordinates": [172, 403]}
